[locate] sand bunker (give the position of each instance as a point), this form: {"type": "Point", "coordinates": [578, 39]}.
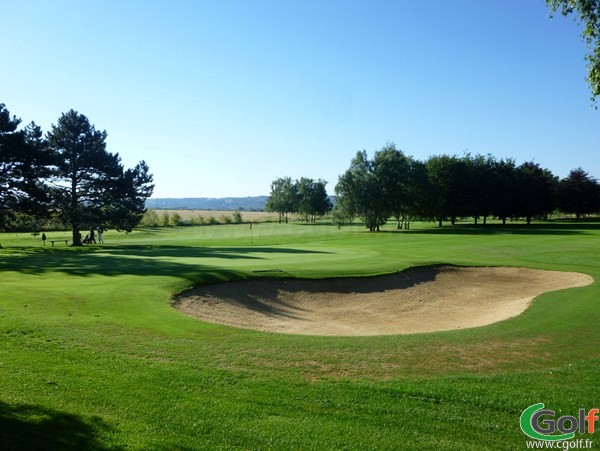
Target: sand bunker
{"type": "Point", "coordinates": [423, 299]}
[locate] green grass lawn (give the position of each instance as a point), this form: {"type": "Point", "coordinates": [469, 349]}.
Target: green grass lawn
{"type": "Point", "coordinates": [92, 355]}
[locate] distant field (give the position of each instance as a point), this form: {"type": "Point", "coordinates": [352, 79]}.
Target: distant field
{"type": "Point", "coordinates": [247, 216]}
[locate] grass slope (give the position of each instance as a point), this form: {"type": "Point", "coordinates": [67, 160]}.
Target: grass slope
{"type": "Point", "coordinates": [93, 356]}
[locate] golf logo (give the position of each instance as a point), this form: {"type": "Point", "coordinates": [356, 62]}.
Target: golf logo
{"type": "Point", "coordinates": [540, 424]}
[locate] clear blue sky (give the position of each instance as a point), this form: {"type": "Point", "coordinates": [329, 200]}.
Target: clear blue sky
{"type": "Point", "coordinates": [222, 97]}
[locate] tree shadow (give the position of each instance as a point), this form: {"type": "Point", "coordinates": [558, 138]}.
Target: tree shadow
{"type": "Point", "coordinates": [233, 252]}
{"type": "Point", "coordinates": [321, 223]}
{"type": "Point", "coordinates": [29, 427]}
{"type": "Point", "coordinates": [175, 261]}
{"type": "Point", "coordinates": [263, 295]}
{"type": "Point", "coordinates": [508, 229]}
{"type": "Point", "coordinates": [406, 278]}
{"type": "Point", "coordinates": [264, 299]}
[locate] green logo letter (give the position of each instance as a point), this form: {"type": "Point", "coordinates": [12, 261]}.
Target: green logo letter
{"type": "Point", "coordinates": [530, 427]}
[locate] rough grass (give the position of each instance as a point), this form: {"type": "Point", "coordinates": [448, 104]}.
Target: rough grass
{"type": "Point", "coordinates": [93, 356]}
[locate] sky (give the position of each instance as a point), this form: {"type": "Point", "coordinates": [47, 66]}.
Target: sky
{"type": "Point", "coordinates": [222, 97]}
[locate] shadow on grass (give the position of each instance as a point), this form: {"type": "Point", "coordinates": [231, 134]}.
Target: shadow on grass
{"type": "Point", "coordinates": [202, 252]}
{"type": "Point", "coordinates": [555, 228]}
{"type": "Point", "coordinates": [323, 223]}
{"type": "Point", "coordinates": [29, 427]}
{"type": "Point", "coordinates": [176, 261]}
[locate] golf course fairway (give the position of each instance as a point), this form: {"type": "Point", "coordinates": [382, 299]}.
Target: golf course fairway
{"type": "Point", "coordinates": [94, 356]}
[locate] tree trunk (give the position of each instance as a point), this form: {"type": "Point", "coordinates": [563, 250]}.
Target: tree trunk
{"type": "Point", "coordinates": [528, 220]}
{"type": "Point", "coordinates": [485, 220]}
{"type": "Point", "coordinates": [476, 218]}
{"type": "Point", "coordinates": [74, 214]}
{"type": "Point", "coordinates": [76, 235]}
{"type": "Point", "coordinates": [439, 222]}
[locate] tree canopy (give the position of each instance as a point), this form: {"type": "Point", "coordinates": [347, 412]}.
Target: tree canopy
{"type": "Point", "coordinates": [313, 200]}
{"type": "Point", "coordinates": [305, 196]}
{"type": "Point", "coordinates": [448, 187]}
{"type": "Point", "coordinates": [68, 174]}
{"type": "Point", "coordinates": [391, 170]}
{"type": "Point", "coordinates": [579, 193]}
{"type": "Point", "coordinates": [11, 155]}
{"type": "Point", "coordinates": [23, 165]}
{"type": "Point", "coordinates": [587, 12]}
{"type": "Point", "coordinates": [535, 191]}
{"type": "Point", "coordinates": [283, 198]}
{"type": "Point", "coordinates": [359, 192]}
{"type": "Point", "coordinates": [90, 185]}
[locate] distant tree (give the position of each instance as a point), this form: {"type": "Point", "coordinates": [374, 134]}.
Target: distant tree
{"type": "Point", "coordinates": [304, 188]}
{"type": "Point", "coordinates": [451, 197]}
{"type": "Point", "coordinates": [448, 187]}
{"type": "Point", "coordinates": [588, 13]}
{"type": "Point", "coordinates": [312, 198]}
{"type": "Point", "coordinates": [359, 193]}
{"type": "Point", "coordinates": [391, 169]}
{"type": "Point", "coordinates": [535, 188]}
{"type": "Point", "coordinates": [578, 193]}
{"type": "Point", "coordinates": [90, 185]}
{"type": "Point", "coordinates": [504, 189]}
{"type": "Point", "coordinates": [23, 166]}
{"type": "Point", "coordinates": [420, 193]}
{"type": "Point", "coordinates": [343, 212]}
{"type": "Point", "coordinates": [481, 185]}
{"type": "Point", "coordinates": [283, 198]}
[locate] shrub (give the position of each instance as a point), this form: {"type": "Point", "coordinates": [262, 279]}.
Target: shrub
{"type": "Point", "coordinates": [175, 219]}
{"type": "Point", "coordinates": [197, 220]}
{"type": "Point", "coordinates": [237, 217]}
{"type": "Point", "coordinates": [150, 219]}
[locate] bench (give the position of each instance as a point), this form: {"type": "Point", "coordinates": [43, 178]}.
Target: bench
{"type": "Point", "coordinates": [58, 241]}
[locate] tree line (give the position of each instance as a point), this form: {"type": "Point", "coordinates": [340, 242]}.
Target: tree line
{"type": "Point", "coordinates": [67, 175]}
{"type": "Point", "coordinates": [447, 187]}
{"type": "Point", "coordinates": [306, 197]}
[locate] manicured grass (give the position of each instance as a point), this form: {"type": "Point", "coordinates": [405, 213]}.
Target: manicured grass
{"type": "Point", "coordinates": [92, 355]}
